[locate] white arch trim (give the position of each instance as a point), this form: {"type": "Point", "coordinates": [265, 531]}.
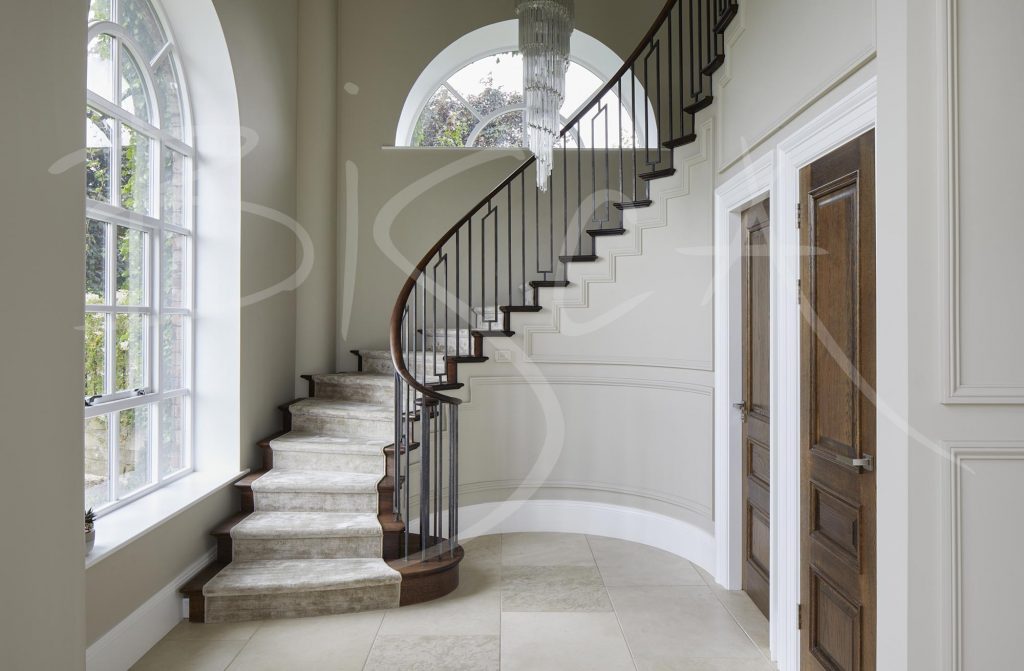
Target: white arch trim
{"type": "Point", "coordinates": [498, 38]}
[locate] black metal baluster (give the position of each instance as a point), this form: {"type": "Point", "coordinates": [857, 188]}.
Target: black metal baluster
{"type": "Point", "coordinates": [497, 271]}
{"type": "Point", "coordinates": [579, 196]}
{"type": "Point", "coordinates": [522, 219]}
{"type": "Point", "coordinates": [425, 448]}
{"type": "Point", "coordinates": [453, 483]}
{"type": "Point", "coordinates": [671, 108]}
{"type": "Point", "coordinates": [565, 209]}
{"type": "Point", "coordinates": [632, 102]}
{"type": "Point", "coordinates": [508, 191]}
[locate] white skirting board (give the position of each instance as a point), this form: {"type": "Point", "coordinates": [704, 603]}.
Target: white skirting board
{"type": "Point", "coordinates": [132, 637]}
{"type": "Point", "coordinates": [597, 519]}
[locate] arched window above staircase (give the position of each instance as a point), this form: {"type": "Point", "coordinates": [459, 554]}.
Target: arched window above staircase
{"type": "Point", "coordinates": [470, 95]}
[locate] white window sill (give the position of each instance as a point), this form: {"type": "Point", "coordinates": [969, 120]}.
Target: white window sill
{"type": "Point", "coordinates": [514, 151]}
{"type": "Point", "coordinates": [124, 525]}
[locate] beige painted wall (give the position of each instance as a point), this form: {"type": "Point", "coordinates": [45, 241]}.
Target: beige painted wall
{"type": "Point", "coordinates": [41, 269]}
{"type": "Point", "coordinates": [781, 58]}
{"type": "Point", "coordinates": [262, 36]}
{"type": "Point", "coordinates": [383, 64]}
{"type": "Point", "coordinates": [122, 582]}
{"type": "Point", "coordinates": [316, 188]}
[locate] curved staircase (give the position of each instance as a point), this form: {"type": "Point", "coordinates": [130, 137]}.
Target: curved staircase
{"type": "Point", "coordinates": [357, 505]}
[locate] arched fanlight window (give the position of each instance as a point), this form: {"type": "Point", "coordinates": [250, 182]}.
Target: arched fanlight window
{"type": "Point", "coordinates": [481, 105]}
{"type": "Point", "coordinates": [138, 251]}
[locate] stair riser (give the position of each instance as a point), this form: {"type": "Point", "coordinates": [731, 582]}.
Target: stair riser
{"type": "Point", "coordinates": [297, 502]}
{"type": "Point", "coordinates": [384, 367]}
{"type": "Point", "coordinates": [301, 604]}
{"type": "Point", "coordinates": [381, 366]}
{"type": "Point", "coordinates": [252, 549]}
{"type": "Point", "coordinates": [378, 394]}
{"type": "Point", "coordinates": [343, 426]}
{"type": "Point", "coordinates": [453, 344]}
{"type": "Point", "coordinates": [325, 461]}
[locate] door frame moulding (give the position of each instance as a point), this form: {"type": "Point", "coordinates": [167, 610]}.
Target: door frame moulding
{"type": "Point", "coordinates": [775, 175]}
{"type": "Point", "coordinates": [749, 187]}
{"type": "Point", "coordinates": [852, 116]}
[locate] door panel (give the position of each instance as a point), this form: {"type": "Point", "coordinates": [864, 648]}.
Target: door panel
{"type": "Point", "coordinates": [837, 304]}
{"type": "Point", "coordinates": [756, 394]}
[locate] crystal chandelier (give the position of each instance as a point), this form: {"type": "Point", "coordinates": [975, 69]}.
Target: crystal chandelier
{"type": "Point", "coordinates": [544, 30]}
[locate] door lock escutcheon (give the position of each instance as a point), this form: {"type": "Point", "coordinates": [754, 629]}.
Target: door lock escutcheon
{"type": "Point", "coordinates": [742, 407]}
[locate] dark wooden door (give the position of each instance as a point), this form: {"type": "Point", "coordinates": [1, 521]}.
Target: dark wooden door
{"type": "Point", "coordinates": [837, 305]}
{"type": "Point", "coordinates": [756, 406]}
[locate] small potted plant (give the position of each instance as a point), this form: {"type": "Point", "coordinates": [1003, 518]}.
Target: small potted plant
{"type": "Point", "coordinates": [90, 530]}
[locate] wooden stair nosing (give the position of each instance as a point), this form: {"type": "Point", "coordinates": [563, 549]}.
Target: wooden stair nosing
{"type": "Point", "coordinates": [727, 16]}
{"type": "Point", "coordinates": [493, 334]}
{"type": "Point", "coordinates": [711, 67]}
{"type": "Point", "coordinates": [578, 258]}
{"type": "Point", "coordinates": [700, 104]}
{"type": "Point", "coordinates": [680, 141]}
{"type": "Point", "coordinates": [657, 174]}
{"type": "Point", "coordinates": [446, 386]}
{"type": "Point", "coordinates": [466, 358]}
{"type": "Point", "coordinates": [520, 308]}
{"type": "Point", "coordinates": [538, 284]}
{"type": "Point", "coordinates": [600, 232]}
{"type": "Point", "coordinates": [193, 590]}
{"type": "Point", "coordinates": [633, 204]}
{"type": "Point", "coordinates": [428, 580]}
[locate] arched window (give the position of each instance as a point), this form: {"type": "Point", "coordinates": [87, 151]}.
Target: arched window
{"type": "Point", "coordinates": [471, 95]}
{"type": "Point", "coordinates": [138, 256]}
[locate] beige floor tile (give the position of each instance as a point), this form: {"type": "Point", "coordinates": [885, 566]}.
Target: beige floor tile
{"type": "Point", "coordinates": [625, 563]}
{"type": "Point", "coordinates": [563, 642]}
{"type": "Point", "coordinates": [335, 642]}
{"type": "Point", "coordinates": [716, 664]}
{"type": "Point", "coordinates": [473, 608]}
{"type": "Point", "coordinates": [189, 655]}
{"type": "Point", "coordinates": [434, 653]}
{"type": "Point", "coordinates": [553, 588]}
{"type": "Point", "coordinates": [230, 631]}
{"type": "Point", "coordinates": [667, 623]}
{"type": "Point", "coordinates": [749, 617]}
{"type": "Point", "coordinates": [482, 548]}
{"type": "Point", "coordinates": [545, 550]}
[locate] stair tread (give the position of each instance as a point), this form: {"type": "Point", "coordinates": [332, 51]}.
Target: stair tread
{"type": "Point", "coordinates": [269, 525]}
{"type": "Point", "coordinates": [325, 407]}
{"type": "Point", "coordinates": [276, 576]}
{"type": "Point", "coordinates": [364, 378]}
{"type": "Point", "coordinates": [326, 482]}
{"type": "Point", "coordinates": [594, 232]}
{"type": "Point", "coordinates": [308, 441]}
{"type": "Point", "coordinates": [657, 174]}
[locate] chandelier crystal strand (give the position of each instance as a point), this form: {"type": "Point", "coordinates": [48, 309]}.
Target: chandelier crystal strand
{"type": "Point", "coordinates": [544, 30]}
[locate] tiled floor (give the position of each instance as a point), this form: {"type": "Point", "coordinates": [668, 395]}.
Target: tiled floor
{"type": "Point", "coordinates": [526, 602]}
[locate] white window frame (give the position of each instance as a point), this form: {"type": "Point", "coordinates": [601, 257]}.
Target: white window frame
{"type": "Point", "coordinates": [502, 37]}
{"type": "Point", "coordinates": [152, 394]}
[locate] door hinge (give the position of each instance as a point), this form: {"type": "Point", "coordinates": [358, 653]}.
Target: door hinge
{"type": "Point", "coordinates": [799, 616]}
{"type": "Point", "coordinates": [798, 215]}
{"type": "Point", "coordinates": [798, 291]}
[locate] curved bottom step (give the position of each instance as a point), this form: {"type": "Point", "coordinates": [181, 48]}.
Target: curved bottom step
{"type": "Point", "coordinates": [430, 579]}
{"type": "Point", "coordinates": [258, 590]}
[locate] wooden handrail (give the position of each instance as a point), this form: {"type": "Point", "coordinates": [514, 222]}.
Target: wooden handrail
{"type": "Point", "coordinates": [395, 340]}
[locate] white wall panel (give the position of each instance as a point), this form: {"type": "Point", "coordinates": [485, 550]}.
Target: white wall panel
{"type": "Point", "coordinates": [986, 498]}
{"type": "Point", "coordinates": [984, 275]}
